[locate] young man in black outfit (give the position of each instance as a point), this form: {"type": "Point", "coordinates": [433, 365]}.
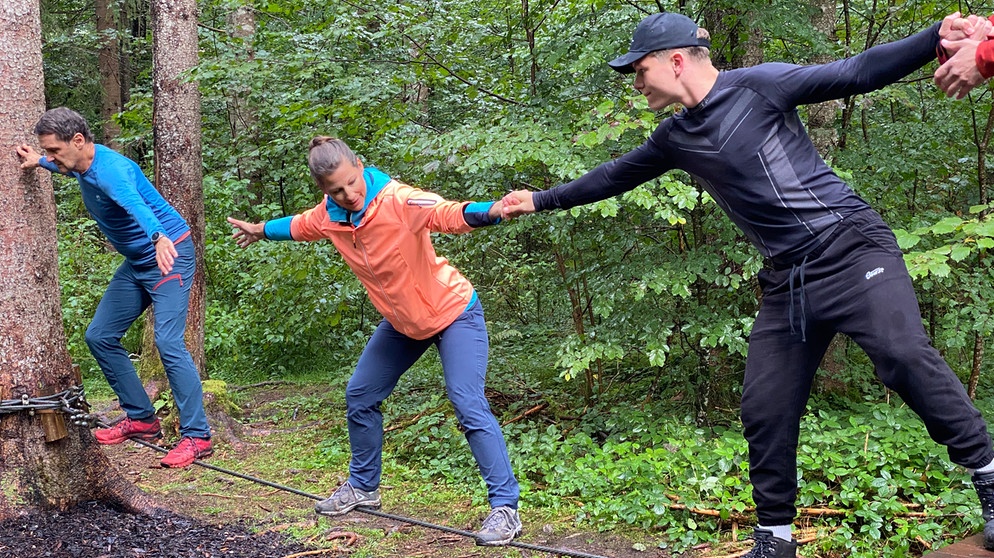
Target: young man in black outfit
{"type": "Point", "coordinates": [832, 264]}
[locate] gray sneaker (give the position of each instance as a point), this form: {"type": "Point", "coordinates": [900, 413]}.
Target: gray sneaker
{"type": "Point", "coordinates": [500, 527]}
{"type": "Point", "coordinates": [347, 498]}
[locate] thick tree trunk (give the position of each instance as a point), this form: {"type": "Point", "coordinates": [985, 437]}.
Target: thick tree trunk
{"type": "Point", "coordinates": [176, 128]}
{"type": "Point", "coordinates": [35, 473]}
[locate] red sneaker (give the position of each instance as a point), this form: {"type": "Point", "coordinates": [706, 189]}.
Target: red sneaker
{"type": "Point", "coordinates": [126, 429]}
{"type": "Point", "coordinates": [187, 451]}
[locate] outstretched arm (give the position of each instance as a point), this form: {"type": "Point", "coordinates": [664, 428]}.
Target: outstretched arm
{"type": "Point", "coordinates": [869, 70]}
{"type": "Point", "coordinates": [246, 233]}
{"type": "Point", "coordinates": [482, 214]}
{"type": "Point", "coordinates": [607, 180]}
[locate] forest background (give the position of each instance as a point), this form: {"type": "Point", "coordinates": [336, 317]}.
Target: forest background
{"type": "Point", "coordinates": [618, 330]}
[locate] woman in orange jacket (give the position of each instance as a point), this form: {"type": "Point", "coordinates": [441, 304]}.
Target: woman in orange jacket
{"type": "Point", "coordinates": [382, 227]}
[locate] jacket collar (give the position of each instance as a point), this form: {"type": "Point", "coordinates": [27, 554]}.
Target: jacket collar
{"type": "Point", "coordinates": [376, 180]}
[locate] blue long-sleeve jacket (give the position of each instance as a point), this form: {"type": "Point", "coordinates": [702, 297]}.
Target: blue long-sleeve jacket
{"type": "Point", "coordinates": [125, 205]}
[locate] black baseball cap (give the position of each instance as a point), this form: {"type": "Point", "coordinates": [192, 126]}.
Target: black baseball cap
{"type": "Point", "coordinates": [659, 32]}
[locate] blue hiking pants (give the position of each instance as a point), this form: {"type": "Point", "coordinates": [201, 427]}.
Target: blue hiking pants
{"type": "Point", "coordinates": [131, 291]}
{"type": "Point", "coordinates": [854, 283]}
{"type": "Point", "coordinates": [464, 349]}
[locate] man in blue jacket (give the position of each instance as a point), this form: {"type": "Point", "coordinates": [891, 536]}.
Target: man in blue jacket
{"type": "Point", "coordinates": [832, 264]}
{"type": "Point", "coordinates": [157, 270]}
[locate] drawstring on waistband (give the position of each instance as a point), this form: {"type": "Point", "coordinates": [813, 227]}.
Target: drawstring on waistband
{"type": "Point", "coordinates": [790, 316]}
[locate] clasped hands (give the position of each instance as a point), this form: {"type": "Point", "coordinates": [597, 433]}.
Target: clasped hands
{"type": "Point", "coordinates": [960, 36]}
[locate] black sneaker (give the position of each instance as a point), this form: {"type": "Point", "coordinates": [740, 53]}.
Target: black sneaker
{"type": "Point", "coordinates": [768, 546]}
{"type": "Point", "coordinates": [984, 483]}
{"type": "Point", "coordinates": [347, 498]}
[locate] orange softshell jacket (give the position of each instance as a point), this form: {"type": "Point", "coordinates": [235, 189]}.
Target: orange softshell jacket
{"type": "Point", "coordinates": [391, 253]}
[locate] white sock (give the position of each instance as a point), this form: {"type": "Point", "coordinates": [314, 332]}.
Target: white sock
{"type": "Point", "coordinates": [989, 468]}
{"type": "Point", "coordinates": [779, 531]}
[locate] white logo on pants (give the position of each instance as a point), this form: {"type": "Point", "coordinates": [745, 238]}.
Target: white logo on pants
{"type": "Point", "coordinates": [874, 273]}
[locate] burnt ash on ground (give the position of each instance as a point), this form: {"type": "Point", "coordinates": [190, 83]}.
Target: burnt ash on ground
{"type": "Point", "coordinates": [94, 530]}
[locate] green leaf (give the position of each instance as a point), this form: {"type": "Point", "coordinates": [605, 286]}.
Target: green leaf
{"type": "Point", "coordinates": [906, 240]}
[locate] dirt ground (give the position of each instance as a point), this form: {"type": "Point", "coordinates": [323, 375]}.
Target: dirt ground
{"type": "Point", "coordinates": [94, 530]}
{"type": "Point", "coordinates": [213, 515]}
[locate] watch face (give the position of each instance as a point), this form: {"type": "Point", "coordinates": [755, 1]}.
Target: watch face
{"type": "Point", "coordinates": [156, 237]}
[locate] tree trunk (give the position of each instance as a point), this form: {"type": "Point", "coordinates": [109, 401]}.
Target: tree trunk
{"type": "Point", "coordinates": [978, 361]}
{"type": "Point", "coordinates": [176, 130]}
{"type": "Point", "coordinates": [730, 47]}
{"type": "Point", "coordinates": [109, 61]}
{"type": "Point", "coordinates": [176, 127]}
{"type": "Point", "coordinates": [69, 468]}
{"type": "Point", "coordinates": [821, 116]}
{"type": "Point", "coordinates": [243, 116]}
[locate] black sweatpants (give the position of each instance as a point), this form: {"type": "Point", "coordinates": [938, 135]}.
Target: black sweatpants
{"type": "Point", "coordinates": [854, 283]}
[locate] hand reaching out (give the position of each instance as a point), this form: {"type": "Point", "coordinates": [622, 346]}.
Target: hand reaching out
{"type": "Point", "coordinates": [246, 233]}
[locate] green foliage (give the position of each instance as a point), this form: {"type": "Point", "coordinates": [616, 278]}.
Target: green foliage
{"type": "Point", "coordinates": [890, 488]}
{"type": "Point", "coordinates": [635, 310]}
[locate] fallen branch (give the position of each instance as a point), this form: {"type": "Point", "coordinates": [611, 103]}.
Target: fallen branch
{"type": "Point", "coordinates": [406, 423]}
{"type": "Point", "coordinates": [260, 384]}
{"type": "Point", "coordinates": [348, 537]}
{"type": "Point", "coordinates": [711, 513]}
{"type": "Point", "coordinates": [803, 512]}
{"type": "Point", "coordinates": [527, 413]}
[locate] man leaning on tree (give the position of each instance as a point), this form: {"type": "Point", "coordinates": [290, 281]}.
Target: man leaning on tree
{"type": "Point", "coordinates": [157, 271]}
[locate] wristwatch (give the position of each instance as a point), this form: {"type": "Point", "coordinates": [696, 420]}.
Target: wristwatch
{"type": "Point", "coordinates": [156, 236]}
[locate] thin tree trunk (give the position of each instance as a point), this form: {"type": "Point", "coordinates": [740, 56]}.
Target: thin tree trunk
{"type": "Point", "coordinates": [978, 360]}
{"type": "Point", "coordinates": [67, 467]}
{"type": "Point", "coordinates": [576, 311]}
{"type": "Point", "coordinates": [109, 61]}
{"type": "Point", "coordinates": [730, 48]}
{"type": "Point", "coordinates": [821, 116]}
{"type": "Point", "coordinates": [243, 117]}
{"type": "Point", "coordinates": [176, 125]}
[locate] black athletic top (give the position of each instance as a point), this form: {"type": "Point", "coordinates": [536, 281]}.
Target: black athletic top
{"type": "Point", "coordinates": [746, 146]}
